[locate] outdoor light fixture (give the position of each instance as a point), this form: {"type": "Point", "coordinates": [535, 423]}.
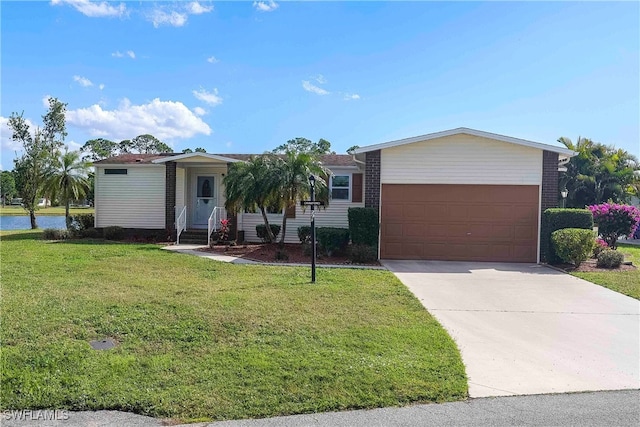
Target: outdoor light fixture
{"type": "Point", "coordinates": [312, 181]}
{"type": "Point", "coordinates": [564, 194]}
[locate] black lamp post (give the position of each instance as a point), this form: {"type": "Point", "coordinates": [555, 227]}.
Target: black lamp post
{"type": "Point", "coordinates": [312, 183]}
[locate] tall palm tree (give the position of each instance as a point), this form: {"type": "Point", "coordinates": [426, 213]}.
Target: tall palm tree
{"type": "Point", "coordinates": [68, 180]}
{"type": "Point", "coordinates": [253, 184]}
{"type": "Point", "coordinates": [294, 184]}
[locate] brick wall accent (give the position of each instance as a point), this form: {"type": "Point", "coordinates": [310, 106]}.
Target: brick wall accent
{"type": "Point", "coordinates": [170, 199]}
{"type": "Point", "coordinates": [372, 180]}
{"type": "Point", "coordinates": [549, 194]}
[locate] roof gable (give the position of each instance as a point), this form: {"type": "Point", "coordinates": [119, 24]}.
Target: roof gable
{"type": "Point", "coordinates": [466, 131]}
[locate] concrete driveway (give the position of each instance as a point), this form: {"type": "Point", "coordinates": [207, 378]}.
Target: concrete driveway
{"type": "Point", "coordinates": [528, 329]}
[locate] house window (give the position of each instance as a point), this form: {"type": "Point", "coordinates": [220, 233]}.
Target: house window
{"type": "Point", "coordinates": [340, 187]}
{"type": "Point", "coordinates": [115, 171]}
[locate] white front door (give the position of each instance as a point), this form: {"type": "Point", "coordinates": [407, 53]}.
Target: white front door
{"type": "Point", "coordinates": [205, 200]}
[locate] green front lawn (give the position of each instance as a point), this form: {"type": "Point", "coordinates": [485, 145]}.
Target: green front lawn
{"type": "Point", "coordinates": [55, 210]}
{"type": "Point", "coordinates": [205, 340]}
{"type": "Point", "coordinates": [625, 282]}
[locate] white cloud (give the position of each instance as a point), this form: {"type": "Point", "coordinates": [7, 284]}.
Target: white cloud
{"type": "Point", "coordinates": [212, 59]}
{"type": "Point", "coordinates": [82, 81]}
{"type": "Point", "coordinates": [200, 111]}
{"type": "Point", "coordinates": [73, 146]}
{"type": "Point", "coordinates": [167, 120]}
{"type": "Point", "coordinates": [320, 79]}
{"type": "Point", "coordinates": [101, 86]}
{"type": "Point", "coordinates": [265, 6]}
{"type": "Point", "coordinates": [351, 96]}
{"type": "Point", "coordinates": [159, 17]}
{"type": "Point", "coordinates": [131, 54]}
{"type": "Point", "coordinates": [196, 8]}
{"type": "Point", "coordinates": [117, 54]}
{"type": "Point", "coordinates": [309, 87]}
{"type": "Point", "coordinates": [210, 98]}
{"type": "Point", "coordinates": [45, 101]}
{"type": "Point", "coordinates": [229, 144]}
{"type": "Point", "coordinates": [94, 9]}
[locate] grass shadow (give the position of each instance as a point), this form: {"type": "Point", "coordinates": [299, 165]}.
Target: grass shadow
{"type": "Point", "coordinates": [29, 235]}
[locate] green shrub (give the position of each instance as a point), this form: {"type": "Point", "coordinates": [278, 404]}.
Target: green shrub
{"type": "Point", "coordinates": [83, 221]}
{"type": "Point", "coordinates": [90, 233]}
{"type": "Point", "coordinates": [363, 226]}
{"type": "Point", "coordinates": [363, 253]}
{"type": "Point", "coordinates": [573, 245]}
{"type": "Point", "coordinates": [599, 246]}
{"type": "Point", "coordinates": [332, 240]}
{"type": "Point", "coordinates": [55, 234]}
{"type": "Point", "coordinates": [556, 219]}
{"type": "Point", "coordinates": [113, 233]}
{"type": "Point", "coordinates": [610, 258]}
{"type": "Point", "coordinates": [261, 231]}
{"type": "Point", "coordinates": [304, 233]}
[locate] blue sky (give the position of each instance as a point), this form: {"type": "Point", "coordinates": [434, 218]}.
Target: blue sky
{"type": "Point", "coordinates": [244, 77]}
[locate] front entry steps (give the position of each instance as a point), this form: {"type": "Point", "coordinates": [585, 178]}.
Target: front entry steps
{"type": "Point", "coordinates": [194, 236]}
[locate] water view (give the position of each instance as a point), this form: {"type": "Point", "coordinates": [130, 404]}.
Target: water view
{"type": "Point", "coordinates": [23, 223]}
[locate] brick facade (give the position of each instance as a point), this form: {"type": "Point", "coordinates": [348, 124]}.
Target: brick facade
{"type": "Point", "coordinates": [549, 193]}
{"type": "Point", "coordinates": [372, 180]}
{"type": "Point", "coordinates": [170, 199]}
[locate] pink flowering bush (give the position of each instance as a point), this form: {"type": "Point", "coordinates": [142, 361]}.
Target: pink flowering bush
{"type": "Point", "coordinates": [224, 230]}
{"type": "Point", "coordinates": [600, 246]}
{"type": "Point", "coordinates": [615, 220]}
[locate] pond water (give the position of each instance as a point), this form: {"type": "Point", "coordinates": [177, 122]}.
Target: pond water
{"type": "Point", "coordinates": [23, 222]}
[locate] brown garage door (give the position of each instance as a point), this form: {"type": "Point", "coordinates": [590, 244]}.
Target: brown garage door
{"type": "Point", "coordinates": [459, 222]}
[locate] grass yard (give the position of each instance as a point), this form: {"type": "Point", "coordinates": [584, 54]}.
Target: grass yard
{"type": "Point", "coordinates": [201, 340]}
{"type": "Point", "coordinates": [625, 282]}
{"type": "Point", "coordinates": [55, 210]}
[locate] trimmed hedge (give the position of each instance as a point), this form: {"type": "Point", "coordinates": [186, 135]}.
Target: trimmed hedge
{"type": "Point", "coordinates": [573, 245]}
{"type": "Point", "coordinates": [83, 221]}
{"type": "Point", "coordinates": [304, 233]}
{"type": "Point", "coordinates": [363, 253]}
{"type": "Point", "coordinates": [364, 226]}
{"type": "Point", "coordinates": [113, 233]}
{"type": "Point", "coordinates": [556, 219]}
{"type": "Point", "coordinates": [332, 239]}
{"type": "Point", "coordinates": [55, 234]}
{"type": "Point", "coordinates": [261, 231]}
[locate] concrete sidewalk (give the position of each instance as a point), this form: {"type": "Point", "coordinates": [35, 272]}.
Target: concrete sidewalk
{"type": "Point", "coordinates": [613, 408]}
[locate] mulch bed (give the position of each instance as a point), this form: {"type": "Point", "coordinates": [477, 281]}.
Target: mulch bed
{"type": "Point", "coordinates": [590, 266]}
{"type": "Point", "coordinates": [267, 253]}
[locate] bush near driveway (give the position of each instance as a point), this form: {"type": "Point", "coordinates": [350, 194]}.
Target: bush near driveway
{"type": "Point", "coordinates": [573, 245]}
{"type": "Point", "coordinates": [199, 339]}
{"type": "Point", "coordinates": [556, 219]}
{"type": "Point", "coordinates": [615, 220]}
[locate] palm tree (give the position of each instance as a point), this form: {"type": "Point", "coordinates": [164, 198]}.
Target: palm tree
{"type": "Point", "coordinates": [68, 180]}
{"type": "Point", "coordinates": [294, 185]}
{"type": "Point", "coordinates": [253, 184]}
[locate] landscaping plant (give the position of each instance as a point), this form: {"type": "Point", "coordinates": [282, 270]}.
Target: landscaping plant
{"type": "Point", "coordinates": [332, 239]}
{"type": "Point", "coordinates": [363, 226]}
{"type": "Point", "coordinates": [556, 219]}
{"type": "Point", "coordinates": [610, 259]}
{"type": "Point", "coordinates": [573, 245]}
{"type": "Point", "coordinates": [261, 231]}
{"type": "Point", "coordinates": [615, 221]}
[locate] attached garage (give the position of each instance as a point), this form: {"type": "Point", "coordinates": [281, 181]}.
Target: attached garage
{"type": "Point", "coordinates": [459, 222]}
{"type": "Point", "coordinates": [461, 195]}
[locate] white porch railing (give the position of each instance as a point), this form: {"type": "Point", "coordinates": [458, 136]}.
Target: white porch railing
{"type": "Point", "coordinates": [181, 224]}
{"type": "Point", "coordinates": [213, 224]}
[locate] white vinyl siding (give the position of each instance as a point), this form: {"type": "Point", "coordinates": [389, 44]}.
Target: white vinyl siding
{"type": "Point", "coordinates": [335, 215]}
{"type": "Point", "coordinates": [134, 200]}
{"type": "Point", "coordinates": [461, 159]}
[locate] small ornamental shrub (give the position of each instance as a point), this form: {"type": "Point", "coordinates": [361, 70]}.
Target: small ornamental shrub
{"type": "Point", "coordinates": [90, 233]}
{"type": "Point", "coordinates": [332, 240]}
{"type": "Point", "coordinates": [363, 226]}
{"type": "Point", "coordinates": [573, 245]}
{"type": "Point", "coordinates": [224, 230]}
{"type": "Point", "coordinates": [556, 219]}
{"type": "Point", "coordinates": [598, 247]}
{"type": "Point", "coordinates": [363, 253]}
{"type": "Point", "coordinates": [304, 233]}
{"type": "Point", "coordinates": [261, 231]}
{"type": "Point", "coordinates": [82, 221]}
{"type": "Point", "coordinates": [615, 221]}
{"type": "Point", "coordinates": [113, 233]}
{"type": "Point", "coordinates": [610, 259]}
{"type": "Point", "coordinates": [55, 234]}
